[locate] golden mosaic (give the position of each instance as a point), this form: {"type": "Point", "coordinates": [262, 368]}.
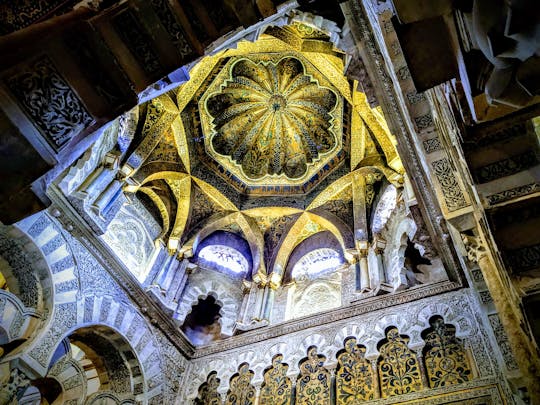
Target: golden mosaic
{"type": "Point", "coordinates": [269, 119]}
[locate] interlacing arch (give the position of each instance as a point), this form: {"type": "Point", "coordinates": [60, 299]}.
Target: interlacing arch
{"type": "Point", "coordinates": [307, 225]}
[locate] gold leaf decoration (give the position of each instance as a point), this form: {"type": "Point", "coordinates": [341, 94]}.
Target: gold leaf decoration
{"type": "Point", "coordinates": [208, 394]}
{"type": "Point", "coordinates": [444, 355]}
{"type": "Point", "coordinates": [272, 118]}
{"type": "Point", "coordinates": [354, 377]}
{"type": "Point", "coordinates": [277, 387]}
{"type": "Point", "coordinates": [241, 391]}
{"type": "Point", "coordinates": [399, 371]}
{"type": "Point", "coordinates": [313, 385]}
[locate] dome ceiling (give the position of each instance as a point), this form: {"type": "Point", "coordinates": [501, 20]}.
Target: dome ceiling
{"type": "Point", "coordinates": [268, 116]}
{"type": "Point", "coordinates": [267, 141]}
{"type": "Point", "coordinates": [270, 121]}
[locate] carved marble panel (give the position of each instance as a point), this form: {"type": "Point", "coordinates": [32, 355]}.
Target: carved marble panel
{"type": "Point", "coordinates": [48, 100]}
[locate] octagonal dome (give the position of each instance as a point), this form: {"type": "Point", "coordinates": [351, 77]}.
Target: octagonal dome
{"type": "Point", "coordinates": [272, 121]}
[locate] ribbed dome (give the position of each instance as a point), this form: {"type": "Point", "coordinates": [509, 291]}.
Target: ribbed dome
{"type": "Point", "coordinates": [272, 118]}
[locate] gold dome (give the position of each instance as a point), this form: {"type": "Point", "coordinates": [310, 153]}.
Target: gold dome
{"type": "Point", "coordinates": [272, 118]}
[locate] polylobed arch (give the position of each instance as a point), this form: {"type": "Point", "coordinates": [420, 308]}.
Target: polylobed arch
{"type": "Point", "coordinates": [229, 306]}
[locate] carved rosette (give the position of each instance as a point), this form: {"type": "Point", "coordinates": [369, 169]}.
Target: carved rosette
{"type": "Point", "coordinates": [272, 118]}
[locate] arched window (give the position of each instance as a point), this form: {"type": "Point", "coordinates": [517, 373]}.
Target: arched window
{"type": "Point", "coordinates": [313, 276]}
{"type": "Point", "coordinates": [224, 256]}
{"type": "Point", "coordinates": [384, 209]}
{"type": "Point", "coordinates": [316, 263]}
{"type": "Point", "coordinates": [225, 252]}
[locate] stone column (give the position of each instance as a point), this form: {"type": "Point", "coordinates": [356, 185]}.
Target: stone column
{"type": "Point", "coordinates": [164, 276]}
{"type": "Point", "coordinates": [383, 286]}
{"type": "Point", "coordinates": [107, 196]}
{"type": "Point", "coordinates": [361, 228]}
{"type": "Point", "coordinates": [247, 291]}
{"type": "Point", "coordinates": [364, 268]}
{"type": "Point", "coordinates": [378, 247]}
{"type": "Point", "coordinates": [269, 303]}
{"type": "Point", "coordinates": [17, 382]}
{"type": "Point", "coordinates": [95, 181]}
{"type": "Point", "coordinates": [522, 347]}
{"type": "Point", "coordinates": [176, 287]}
{"type": "Point", "coordinates": [259, 302]}
{"type": "Point", "coordinates": [257, 392]}
{"type": "Point", "coordinates": [274, 282]}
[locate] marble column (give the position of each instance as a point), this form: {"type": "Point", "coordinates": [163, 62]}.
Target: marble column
{"type": "Point", "coordinates": [508, 310]}
{"type": "Point", "coordinates": [422, 367]}
{"type": "Point", "coordinates": [379, 245]}
{"type": "Point", "coordinates": [375, 373]}
{"type": "Point", "coordinates": [364, 267]}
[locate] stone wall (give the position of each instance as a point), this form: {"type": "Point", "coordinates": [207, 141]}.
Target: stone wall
{"type": "Point", "coordinates": [459, 309]}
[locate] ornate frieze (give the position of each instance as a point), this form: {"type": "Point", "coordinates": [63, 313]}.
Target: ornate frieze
{"type": "Point", "coordinates": [523, 259]}
{"type": "Point", "coordinates": [506, 167]}
{"type": "Point", "coordinates": [173, 28]}
{"type": "Point", "coordinates": [17, 15]}
{"type": "Point", "coordinates": [432, 145]}
{"type": "Point", "coordinates": [427, 362]}
{"type": "Point", "coordinates": [513, 193]}
{"type": "Point", "coordinates": [138, 42]}
{"type": "Point", "coordinates": [502, 341]}
{"type": "Point", "coordinates": [453, 196]}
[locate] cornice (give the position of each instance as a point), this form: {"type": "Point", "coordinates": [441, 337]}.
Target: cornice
{"type": "Point", "coordinates": [356, 308]}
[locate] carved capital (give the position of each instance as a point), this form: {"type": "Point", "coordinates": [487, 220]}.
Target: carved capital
{"type": "Point", "coordinates": [474, 247]}
{"type": "Point", "coordinates": [17, 381]}
{"type": "Point", "coordinates": [379, 244]}
{"type": "Point", "coordinates": [275, 281]}
{"type": "Point", "coordinates": [260, 279]}
{"type": "Point", "coordinates": [362, 246]}
{"type": "Point", "coordinates": [246, 286]}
